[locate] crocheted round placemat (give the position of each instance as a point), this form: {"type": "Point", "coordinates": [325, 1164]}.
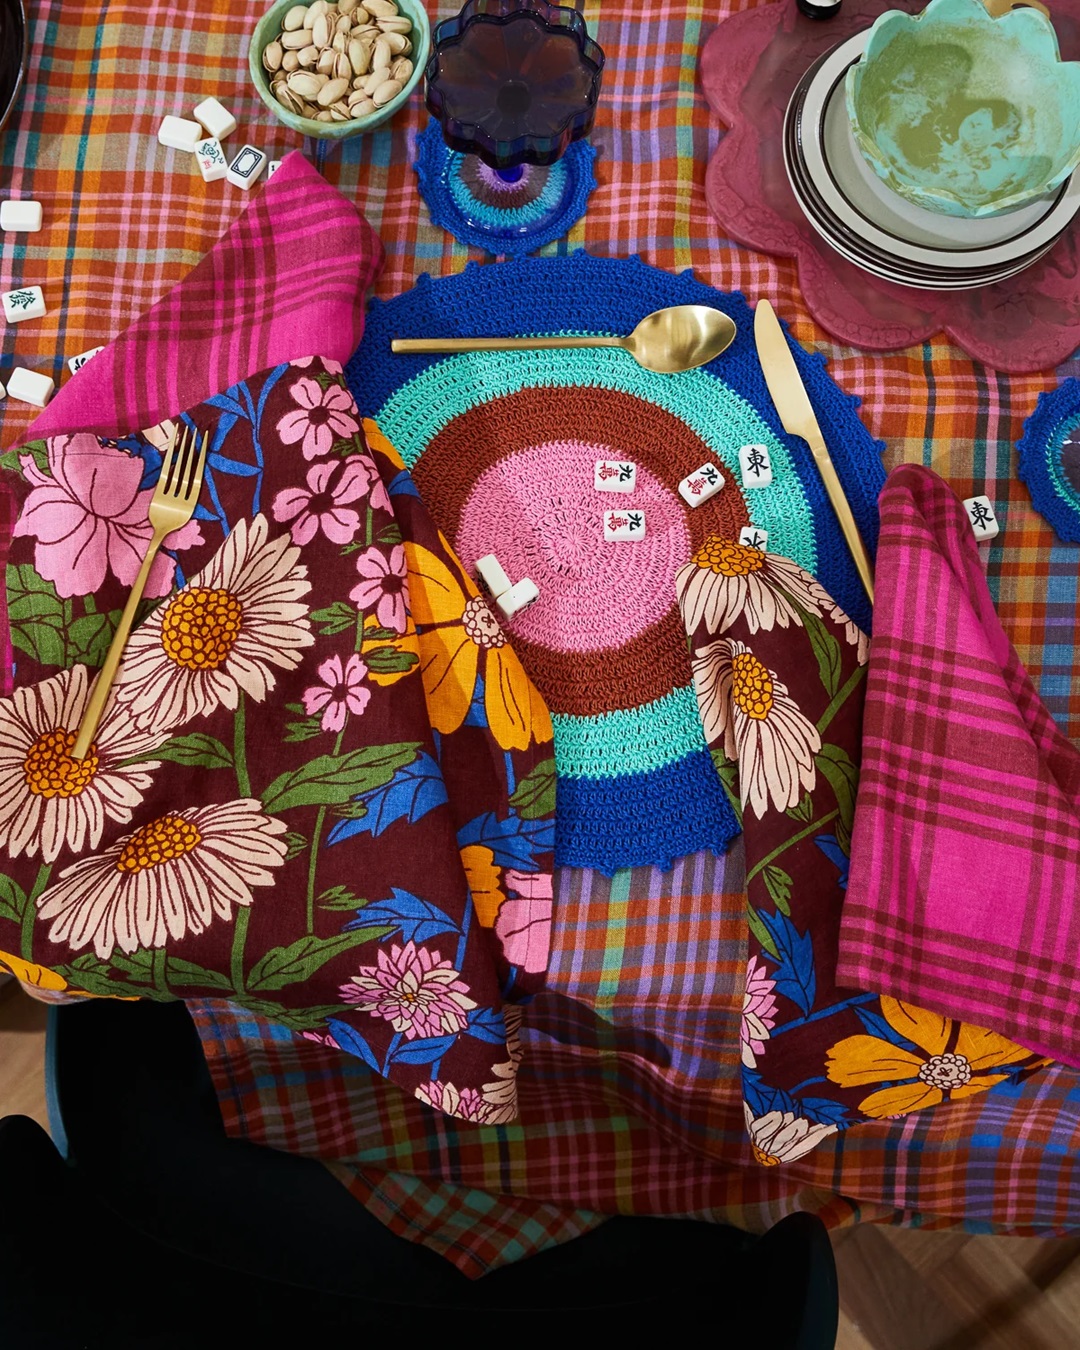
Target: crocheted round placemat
{"type": "Point", "coordinates": [1048, 455]}
{"type": "Point", "coordinates": [502, 448]}
{"type": "Point", "coordinates": [478, 206]}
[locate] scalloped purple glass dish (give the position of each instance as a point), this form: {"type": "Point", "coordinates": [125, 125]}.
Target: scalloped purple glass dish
{"type": "Point", "coordinates": [513, 81]}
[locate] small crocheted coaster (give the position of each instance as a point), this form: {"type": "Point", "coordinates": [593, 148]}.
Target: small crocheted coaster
{"type": "Point", "coordinates": [480, 207]}
{"type": "Point", "coordinates": [1048, 456]}
{"type": "Point", "coordinates": [502, 447]}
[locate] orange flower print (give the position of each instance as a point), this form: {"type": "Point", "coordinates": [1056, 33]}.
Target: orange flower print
{"type": "Point", "coordinates": [952, 1060]}
{"type": "Point", "coordinates": [459, 638]}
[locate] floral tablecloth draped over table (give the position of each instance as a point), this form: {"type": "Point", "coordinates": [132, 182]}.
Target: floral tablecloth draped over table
{"type": "Point", "coordinates": [632, 1051]}
{"type": "Point", "coordinates": [228, 829]}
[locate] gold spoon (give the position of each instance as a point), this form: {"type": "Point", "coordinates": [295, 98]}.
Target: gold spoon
{"type": "Point", "coordinates": [678, 338]}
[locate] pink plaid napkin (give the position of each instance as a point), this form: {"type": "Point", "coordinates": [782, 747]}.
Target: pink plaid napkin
{"type": "Point", "coordinates": [965, 863]}
{"type": "Point", "coordinates": [286, 280]}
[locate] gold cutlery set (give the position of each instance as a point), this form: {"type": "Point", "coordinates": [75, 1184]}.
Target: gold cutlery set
{"type": "Point", "coordinates": [679, 338]}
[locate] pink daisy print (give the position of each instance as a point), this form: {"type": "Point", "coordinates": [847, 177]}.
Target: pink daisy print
{"type": "Point", "coordinates": [415, 990]}
{"type": "Point", "coordinates": [758, 1013]}
{"type": "Point", "coordinates": [322, 504]}
{"type": "Point", "coordinates": [523, 925]}
{"type": "Point", "coordinates": [380, 498]}
{"type": "Point", "coordinates": [342, 692]}
{"type": "Point", "coordinates": [464, 1103]}
{"type": "Point", "coordinates": [323, 414]}
{"type": "Point", "coordinates": [303, 362]}
{"type": "Point", "coordinates": [382, 586]}
{"type": "Point", "coordinates": [319, 1037]}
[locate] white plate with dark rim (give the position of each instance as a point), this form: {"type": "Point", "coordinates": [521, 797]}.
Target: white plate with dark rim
{"type": "Point", "coordinates": [887, 266]}
{"type": "Point", "coordinates": [956, 282]}
{"type": "Point", "coordinates": [953, 282]}
{"type": "Point", "coordinates": [893, 228]}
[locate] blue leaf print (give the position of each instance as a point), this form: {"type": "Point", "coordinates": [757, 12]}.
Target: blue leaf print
{"type": "Point", "coordinates": [426, 1051]}
{"type": "Point", "coordinates": [402, 485]}
{"type": "Point", "coordinates": [824, 1111]}
{"type": "Point", "coordinates": [418, 920]}
{"type": "Point", "coordinates": [761, 1098]}
{"type": "Point", "coordinates": [487, 1024]}
{"type": "Point", "coordinates": [150, 456]}
{"type": "Point", "coordinates": [232, 466]}
{"type": "Point", "coordinates": [412, 792]}
{"type": "Point", "coordinates": [227, 403]}
{"type": "Point", "coordinates": [477, 714]}
{"type": "Point", "coordinates": [515, 842]}
{"type": "Point", "coordinates": [352, 1042]}
{"type": "Point", "coordinates": [835, 854]}
{"type": "Point", "coordinates": [795, 977]}
{"type": "Point", "coordinates": [876, 1025]}
{"type": "Point", "coordinates": [268, 385]}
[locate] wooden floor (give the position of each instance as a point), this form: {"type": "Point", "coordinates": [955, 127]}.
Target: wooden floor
{"type": "Point", "coordinates": [905, 1290]}
{"type": "Point", "coordinates": [899, 1289]}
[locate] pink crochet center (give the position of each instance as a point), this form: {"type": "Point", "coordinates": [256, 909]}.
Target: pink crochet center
{"type": "Point", "coordinates": [538, 512]}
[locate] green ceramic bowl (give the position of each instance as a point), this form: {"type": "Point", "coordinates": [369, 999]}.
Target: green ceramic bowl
{"type": "Point", "coordinates": [268, 28]}
{"type": "Point", "coordinates": [965, 114]}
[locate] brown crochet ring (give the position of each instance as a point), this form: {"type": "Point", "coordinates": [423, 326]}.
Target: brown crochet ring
{"type": "Point", "coordinates": [514, 476]}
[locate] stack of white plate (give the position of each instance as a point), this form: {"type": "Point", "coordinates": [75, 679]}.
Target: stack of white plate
{"type": "Point", "coordinates": [876, 228]}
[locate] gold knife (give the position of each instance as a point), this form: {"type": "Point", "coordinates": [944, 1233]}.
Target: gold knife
{"type": "Point", "coordinates": [797, 415]}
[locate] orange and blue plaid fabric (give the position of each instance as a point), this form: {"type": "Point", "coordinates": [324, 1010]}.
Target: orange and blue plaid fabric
{"type": "Point", "coordinates": [125, 219]}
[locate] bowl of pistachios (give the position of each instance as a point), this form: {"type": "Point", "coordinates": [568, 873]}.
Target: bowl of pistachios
{"type": "Point", "coordinates": [337, 68]}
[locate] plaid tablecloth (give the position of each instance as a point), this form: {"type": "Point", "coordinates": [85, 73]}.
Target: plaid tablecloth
{"type": "Point", "coordinates": [125, 219]}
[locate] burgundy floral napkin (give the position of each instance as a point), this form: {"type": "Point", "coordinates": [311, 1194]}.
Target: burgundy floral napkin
{"type": "Point", "coordinates": [966, 870]}
{"type": "Point", "coordinates": [323, 787]}
{"type": "Point", "coordinates": [780, 674]}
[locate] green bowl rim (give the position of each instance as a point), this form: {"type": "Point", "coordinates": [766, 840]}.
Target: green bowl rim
{"type": "Point", "coordinates": [932, 198]}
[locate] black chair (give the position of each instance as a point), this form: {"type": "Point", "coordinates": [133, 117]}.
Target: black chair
{"type": "Point", "coordinates": [160, 1233]}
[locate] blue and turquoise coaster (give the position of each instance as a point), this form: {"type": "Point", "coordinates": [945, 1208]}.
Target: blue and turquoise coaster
{"type": "Point", "coordinates": [511, 212]}
{"type": "Point", "coordinates": [1049, 459]}
{"type": "Point", "coordinates": [502, 446]}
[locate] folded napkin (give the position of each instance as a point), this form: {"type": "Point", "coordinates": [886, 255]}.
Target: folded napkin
{"type": "Point", "coordinates": [779, 671]}
{"type": "Point", "coordinates": [287, 279]}
{"type": "Point", "coordinates": [269, 811]}
{"type": "Point", "coordinates": [965, 875]}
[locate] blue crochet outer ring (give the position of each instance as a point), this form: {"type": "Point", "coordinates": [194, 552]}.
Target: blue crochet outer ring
{"type": "Point", "coordinates": [452, 202]}
{"type": "Point", "coordinates": [1055, 492]}
{"type": "Point", "coordinates": [624, 818]}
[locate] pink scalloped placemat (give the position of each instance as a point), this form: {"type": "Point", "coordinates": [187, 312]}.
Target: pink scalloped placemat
{"type": "Point", "coordinates": [748, 68]}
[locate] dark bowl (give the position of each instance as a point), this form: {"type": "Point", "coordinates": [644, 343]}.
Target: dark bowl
{"type": "Point", "coordinates": [513, 81]}
{"type": "Point", "coordinates": [13, 52]}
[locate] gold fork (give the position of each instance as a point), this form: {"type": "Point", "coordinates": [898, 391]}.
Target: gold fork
{"type": "Point", "coordinates": [171, 507]}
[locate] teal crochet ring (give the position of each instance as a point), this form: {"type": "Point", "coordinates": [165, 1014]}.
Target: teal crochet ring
{"type": "Point", "coordinates": [504, 211]}
{"type": "Point", "coordinates": [503, 448]}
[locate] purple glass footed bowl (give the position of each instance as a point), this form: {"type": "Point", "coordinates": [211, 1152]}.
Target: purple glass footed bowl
{"type": "Point", "coordinates": [514, 81]}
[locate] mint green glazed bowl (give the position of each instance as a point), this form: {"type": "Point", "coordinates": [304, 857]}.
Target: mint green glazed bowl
{"type": "Point", "coordinates": [267, 29]}
{"type": "Point", "coordinates": [966, 114]}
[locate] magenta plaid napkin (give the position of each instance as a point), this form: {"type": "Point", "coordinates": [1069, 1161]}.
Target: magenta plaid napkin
{"type": "Point", "coordinates": [287, 279]}
{"type": "Point", "coordinates": [965, 864]}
